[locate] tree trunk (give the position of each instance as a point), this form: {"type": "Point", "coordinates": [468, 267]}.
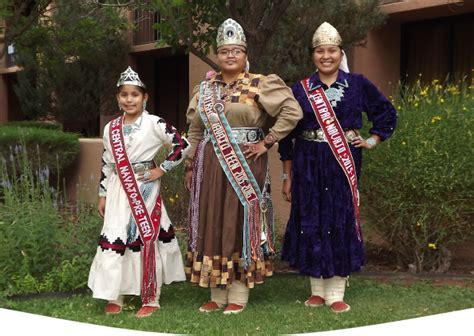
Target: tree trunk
{"type": "Point", "coordinates": [258, 19]}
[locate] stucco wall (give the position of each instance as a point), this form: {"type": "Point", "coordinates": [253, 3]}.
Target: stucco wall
{"type": "Point", "coordinates": [197, 70]}
{"type": "Point", "coordinates": [82, 178]}
{"type": "Point", "coordinates": [379, 59]}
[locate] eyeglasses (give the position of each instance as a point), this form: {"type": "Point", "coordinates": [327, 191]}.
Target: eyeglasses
{"type": "Point", "coordinates": [234, 52]}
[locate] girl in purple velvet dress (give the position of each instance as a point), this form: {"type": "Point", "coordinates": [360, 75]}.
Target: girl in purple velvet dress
{"type": "Point", "coordinates": [322, 238]}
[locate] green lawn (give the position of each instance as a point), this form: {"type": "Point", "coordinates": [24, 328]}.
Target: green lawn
{"type": "Point", "coordinates": [275, 308]}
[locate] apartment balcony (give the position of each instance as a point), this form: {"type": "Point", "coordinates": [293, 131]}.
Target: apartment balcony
{"type": "Point", "coordinates": [145, 36]}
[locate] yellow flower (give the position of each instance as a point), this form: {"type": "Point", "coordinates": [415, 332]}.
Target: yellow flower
{"type": "Point", "coordinates": [435, 81]}
{"type": "Point", "coordinates": [435, 119]}
{"type": "Point", "coordinates": [432, 246]}
{"type": "Point", "coordinates": [424, 92]}
{"type": "Point", "coordinates": [441, 101]}
{"type": "Point", "coordinates": [454, 90]}
{"type": "Point", "coordinates": [464, 108]}
{"type": "Point", "coordinates": [404, 143]}
{"type": "Point", "coordinates": [416, 104]}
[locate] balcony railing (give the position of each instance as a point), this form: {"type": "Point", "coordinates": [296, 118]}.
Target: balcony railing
{"type": "Point", "coordinates": [144, 32]}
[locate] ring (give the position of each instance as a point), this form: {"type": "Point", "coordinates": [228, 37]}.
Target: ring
{"type": "Point", "coordinates": [146, 175]}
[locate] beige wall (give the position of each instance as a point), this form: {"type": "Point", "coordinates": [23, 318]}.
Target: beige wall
{"type": "Point", "coordinates": [379, 59]}
{"type": "Point", "coordinates": [82, 178]}
{"type": "Point", "coordinates": [281, 208]}
{"type": "Point", "coordinates": [197, 71]}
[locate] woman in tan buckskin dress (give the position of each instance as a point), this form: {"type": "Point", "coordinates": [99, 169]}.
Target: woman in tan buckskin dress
{"type": "Point", "coordinates": [220, 252]}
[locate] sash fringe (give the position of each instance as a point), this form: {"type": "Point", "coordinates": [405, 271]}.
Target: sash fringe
{"type": "Point", "coordinates": [194, 200]}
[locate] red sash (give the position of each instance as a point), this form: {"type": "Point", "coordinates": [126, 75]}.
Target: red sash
{"type": "Point", "coordinates": [148, 226]}
{"type": "Point", "coordinates": [337, 141]}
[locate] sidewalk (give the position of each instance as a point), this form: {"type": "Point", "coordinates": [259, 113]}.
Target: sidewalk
{"type": "Point", "coordinates": [453, 323]}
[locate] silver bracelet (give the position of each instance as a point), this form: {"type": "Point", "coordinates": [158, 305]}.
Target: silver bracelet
{"type": "Point", "coordinates": [371, 141]}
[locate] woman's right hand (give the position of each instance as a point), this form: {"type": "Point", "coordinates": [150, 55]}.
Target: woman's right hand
{"type": "Point", "coordinates": [286, 190]}
{"type": "Point", "coordinates": [101, 206]}
{"type": "Point", "coordinates": [188, 176]}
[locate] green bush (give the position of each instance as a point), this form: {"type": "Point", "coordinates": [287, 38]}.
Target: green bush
{"type": "Point", "coordinates": [417, 188]}
{"type": "Point", "coordinates": [34, 124]}
{"type": "Point", "coordinates": [174, 193]}
{"type": "Point", "coordinates": [44, 245]}
{"type": "Point", "coordinates": [46, 148]}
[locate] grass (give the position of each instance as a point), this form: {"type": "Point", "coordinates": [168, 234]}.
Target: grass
{"type": "Point", "coordinates": [274, 308]}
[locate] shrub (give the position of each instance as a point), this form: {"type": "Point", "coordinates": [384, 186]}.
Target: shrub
{"type": "Point", "coordinates": [416, 187]}
{"type": "Point", "coordinates": [44, 245]}
{"type": "Point", "coordinates": [174, 193]}
{"type": "Point", "coordinates": [58, 149]}
{"type": "Point", "coordinates": [34, 124]}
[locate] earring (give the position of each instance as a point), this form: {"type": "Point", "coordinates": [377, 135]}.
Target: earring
{"type": "Point", "coordinates": [144, 105]}
{"type": "Point", "coordinates": [119, 106]}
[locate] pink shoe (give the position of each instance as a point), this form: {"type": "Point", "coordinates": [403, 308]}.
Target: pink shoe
{"type": "Point", "coordinates": [146, 311]}
{"type": "Point", "coordinates": [112, 309]}
{"type": "Point", "coordinates": [209, 307]}
{"type": "Point", "coordinates": [233, 308]}
{"type": "Point", "coordinates": [340, 307]}
{"type": "Point", "coordinates": [314, 301]}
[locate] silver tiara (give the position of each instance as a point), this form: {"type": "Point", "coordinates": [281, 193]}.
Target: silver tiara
{"type": "Point", "coordinates": [230, 32]}
{"type": "Point", "coordinates": [130, 77]}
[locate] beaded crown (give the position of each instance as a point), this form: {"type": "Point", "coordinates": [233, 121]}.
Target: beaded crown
{"type": "Point", "coordinates": [230, 32]}
{"type": "Point", "coordinates": [130, 77]}
{"type": "Point", "coordinates": [326, 34]}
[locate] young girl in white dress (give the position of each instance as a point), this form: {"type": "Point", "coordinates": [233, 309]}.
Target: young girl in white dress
{"type": "Point", "coordinates": [124, 264]}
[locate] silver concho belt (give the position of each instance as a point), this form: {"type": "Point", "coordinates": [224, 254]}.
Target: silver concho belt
{"type": "Point", "coordinates": [319, 136]}
{"type": "Point", "coordinates": [244, 135]}
{"type": "Point", "coordinates": [140, 167]}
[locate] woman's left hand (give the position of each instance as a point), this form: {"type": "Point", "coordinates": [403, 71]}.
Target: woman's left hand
{"type": "Point", "coordinates": [255, 150]}
{"type": "Point", "coordinates": [151, 175]}
{"type": "Point", "coordinates": [360, 142]}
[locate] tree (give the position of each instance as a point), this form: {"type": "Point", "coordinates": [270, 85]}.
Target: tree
{"type": "Point", "coordinates": [70, 60]}
{"type": "Point", "coordinates": [288, 50]}
{"type": "Point", "coordinates": [193, 23]}
{"type": "Point", "coordinates": [18, 17]}
{"type": "Point", "coordinates": [278, 31]}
